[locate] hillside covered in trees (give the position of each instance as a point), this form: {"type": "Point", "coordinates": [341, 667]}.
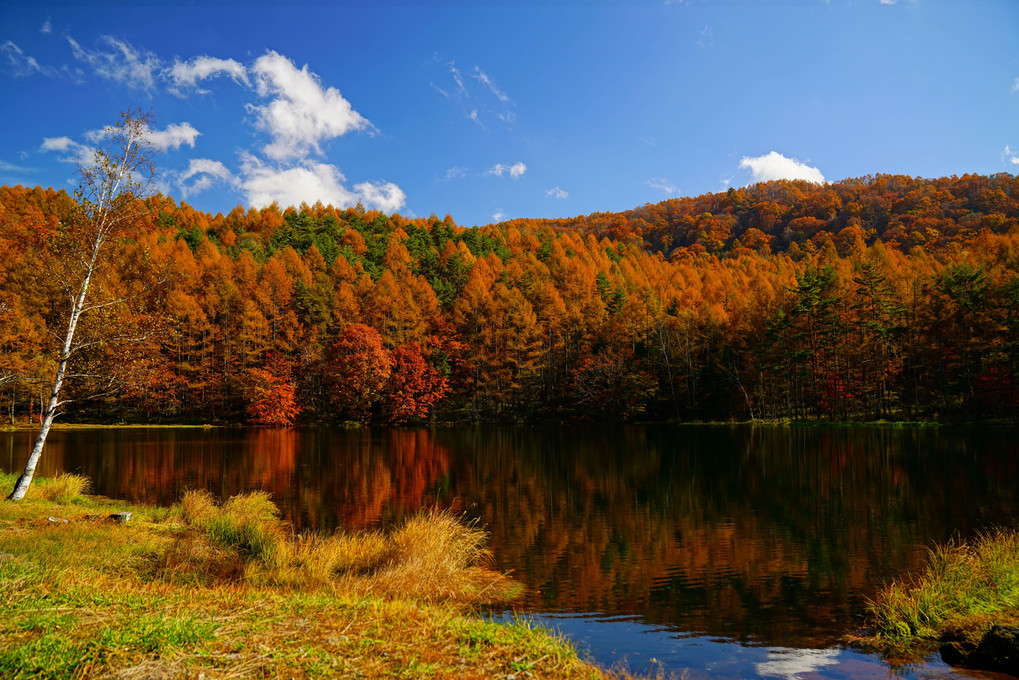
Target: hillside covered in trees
{"type": "Point", "coordinates": [879, 297]}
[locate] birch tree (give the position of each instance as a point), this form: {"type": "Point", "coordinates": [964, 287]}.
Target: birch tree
{"type": "Point", "coordinates": [78, 257]}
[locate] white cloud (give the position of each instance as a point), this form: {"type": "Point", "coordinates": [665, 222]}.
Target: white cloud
{"type": "Point", "coordinates": [663, 185]}
{"type": "Point", "coordinates": [123, 63]}
{"type": "Point", "coordinates": [307, 182]}
{"type": "Point", "coordinates": [386, 197]}
{"type": "Point", "coordinates": [174, 136]}
{"type": "Point", "coordinates": [22, 65]}
{"type": "Point", "coordinates": [76, 152]}
{"type": "Point", "coordinates": [485, 80]}
{"type": "Point", "coordinates": [498, 216]}
{"type": "Point", "coordinates": [47, 27]}
{"type": "Point", "coordinates": [558, 193]}
{"type": "Point", "coordinates": [187, 74]}
{"type": "Point", "coordinates": [776, 166]}
{"type": "Point", "coordinates": [473, 115]}
{"type": "Point", "coordinates": [516, 171]}
{"type": "Point", "coordinates": [1015, 86]}
{"type": "Point", "coordinates": [303, 113]}
{"type": "Point", "coordinates": [205, 173]}
{"type": "Point", "coordinates": [455, 172]}
{"type": "Point", "coordinates": [1010, 155]}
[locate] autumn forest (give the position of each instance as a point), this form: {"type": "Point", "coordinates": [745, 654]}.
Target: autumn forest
{"type": "Point", "coordinates": [883, 297]}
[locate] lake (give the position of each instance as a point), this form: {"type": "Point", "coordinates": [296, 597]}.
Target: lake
{"type": "Point", "coordinates": [707, 551]}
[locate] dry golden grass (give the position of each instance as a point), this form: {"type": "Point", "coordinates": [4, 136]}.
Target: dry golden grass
{"type": "Point", "coordinates": [63, 488]}
{"type": "Point", "coordinates": [82, 599]}
{"type": "Point", "coordinates": [434, 557]}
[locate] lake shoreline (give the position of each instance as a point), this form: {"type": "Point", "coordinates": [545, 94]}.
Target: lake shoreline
{"type": "Point", "coordinates": [88, 595]}
{"type": "Point", "coordinates": [58, 425]}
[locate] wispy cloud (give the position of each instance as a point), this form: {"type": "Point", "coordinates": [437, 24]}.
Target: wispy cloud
{"type": "Point", "coordinates": [706, 37]}
{"type": "Point", "coordinates": [663, 185]}
{"type": "Point", "coordinates": [557, 193]}
{"type": "Point", "coordinates": [439, 90]}
{"type": "Point", "coordinates": [516, 171]}
{"type": "Point", "coordinates": [119, 61]}
{"type": "Point", "coordinates": [22, 65]}
{"type": "Point", "coordinates": [1015, 86]}
{"type": "Point", "coordinates": [458, 78]}
{"type": "Point", "coordinates": [47, 27]}
{"type": "Point", "coordinates": [498, 216]}
{"type": "Point", "coordinates": [774, 165]}
{"type": "Point", "coordinates": [485, 80]}
{"type": "Point", "coordinates": [1010, 155]}
{"type": "Point", "coordinates": [456, 172]}
{"type": "Point", "coordinates": [481, 105]}
{"type": "Point", "coordinates": [14, 174]}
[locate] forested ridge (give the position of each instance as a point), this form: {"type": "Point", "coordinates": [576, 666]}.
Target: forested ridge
{"type": "Point", "coordinates": [880, 297]}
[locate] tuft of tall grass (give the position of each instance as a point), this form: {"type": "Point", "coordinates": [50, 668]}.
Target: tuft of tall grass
{"type": "Point", "coordinates": [962, 581]}
{"type": "Point", "coordinates": [63, 489]}
{"type": "Point", "coordinates": [436, 556]}
{"type": "Point", "coordinates": [220, 541]}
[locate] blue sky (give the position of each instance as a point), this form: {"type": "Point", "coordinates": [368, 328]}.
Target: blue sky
{"type": "Point", "coordinates": [520, 109]}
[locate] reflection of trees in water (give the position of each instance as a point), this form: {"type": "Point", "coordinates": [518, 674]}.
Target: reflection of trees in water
{"type": "Point", "coordinates": [769, 533]}
{"type": "Point", "coordinates": [320, 478]}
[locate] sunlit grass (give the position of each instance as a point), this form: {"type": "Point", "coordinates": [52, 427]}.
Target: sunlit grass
{"type": "Point", "coordinates": [228, 590]}
{"type": "Point", "coordinates": [966, 585]}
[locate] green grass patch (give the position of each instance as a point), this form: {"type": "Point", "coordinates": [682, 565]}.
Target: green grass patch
{"type": "Point", "coordinates": [966, 586]}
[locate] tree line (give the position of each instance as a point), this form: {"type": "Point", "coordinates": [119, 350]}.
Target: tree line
{"type": "Point", "coordinates": [883, 297]}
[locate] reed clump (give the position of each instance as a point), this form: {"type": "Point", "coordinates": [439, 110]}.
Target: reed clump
{"type": "Point", "coordinates": [966, 585]}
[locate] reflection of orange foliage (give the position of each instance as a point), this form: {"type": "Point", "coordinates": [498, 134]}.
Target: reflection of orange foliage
{"type": "Point", "coordinates": [765, 533]}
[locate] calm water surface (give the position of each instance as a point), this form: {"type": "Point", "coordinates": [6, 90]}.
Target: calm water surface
{"type": "Point", "coordinates": [721, 552]}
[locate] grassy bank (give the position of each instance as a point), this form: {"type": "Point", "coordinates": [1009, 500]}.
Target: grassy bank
{"type": "Point", "coordinates": [966, 588]}
{"type": "Point", "coordinates": [228, 591]}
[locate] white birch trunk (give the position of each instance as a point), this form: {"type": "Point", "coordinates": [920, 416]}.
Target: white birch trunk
{"type": "Point", "coordinates": [105, 180]}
